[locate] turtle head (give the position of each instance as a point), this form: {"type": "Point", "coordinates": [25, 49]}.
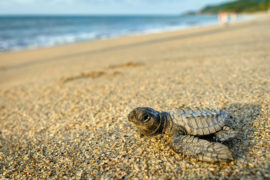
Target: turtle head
{"type": "Point", "coordinates": [146, 119]}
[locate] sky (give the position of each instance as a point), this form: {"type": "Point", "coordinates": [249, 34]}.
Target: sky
{"type": "Point", "coordinates": [102, 6]}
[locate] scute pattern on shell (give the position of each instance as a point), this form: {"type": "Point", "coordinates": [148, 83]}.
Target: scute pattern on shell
{"type": "Point", "coordinates": [199, 121]}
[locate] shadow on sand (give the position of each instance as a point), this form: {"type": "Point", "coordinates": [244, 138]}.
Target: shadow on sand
{"type": "Point", "coordinates": [243, 118]}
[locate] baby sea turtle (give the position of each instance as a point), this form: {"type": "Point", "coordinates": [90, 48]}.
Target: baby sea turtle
{"type": "Point", "coordinates": [187, 127]}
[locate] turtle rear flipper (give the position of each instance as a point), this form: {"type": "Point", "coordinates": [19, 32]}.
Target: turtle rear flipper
{"type": "Point", "coordinates": [201, 149]}
{"type": "Point", "coordinates": [225, 134]}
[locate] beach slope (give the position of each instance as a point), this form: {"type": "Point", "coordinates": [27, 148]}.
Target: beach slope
{"type": "Point", "coordinates": [63, 110]}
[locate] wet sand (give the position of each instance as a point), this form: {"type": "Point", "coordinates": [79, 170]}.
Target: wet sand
{"type": "Point", "coordinates": [63, 110]}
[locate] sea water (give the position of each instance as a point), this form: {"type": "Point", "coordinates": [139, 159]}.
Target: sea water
{"type": "Point", "coordinates": [30, 32]}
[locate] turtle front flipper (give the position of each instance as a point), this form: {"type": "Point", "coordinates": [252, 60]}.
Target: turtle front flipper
{"type": "Point", "coordinates": [225, 134]}
{"type": "Point", "coordinates": [200, 149]}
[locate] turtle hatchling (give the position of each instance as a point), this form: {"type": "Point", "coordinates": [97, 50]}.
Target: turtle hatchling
{"type": "Point", "coordinates": [187, 128]}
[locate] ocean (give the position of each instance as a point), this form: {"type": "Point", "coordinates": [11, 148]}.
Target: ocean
{"type": "Point", "coordinates": [31, 32]}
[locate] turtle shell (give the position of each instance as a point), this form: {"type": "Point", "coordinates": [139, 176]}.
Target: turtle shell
{"type": "Point", "coordinates": [199, 121]}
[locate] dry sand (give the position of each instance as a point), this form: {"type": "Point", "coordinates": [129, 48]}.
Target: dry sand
{"type": "Point", "coordinates": [63, 110]}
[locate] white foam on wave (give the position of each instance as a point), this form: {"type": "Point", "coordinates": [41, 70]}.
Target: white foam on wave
{"type": "Point", "coordinates": [49, 40]}
{"type": "Point", "coordinates": [44, 41]}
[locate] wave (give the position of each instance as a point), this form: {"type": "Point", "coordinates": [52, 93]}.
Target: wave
{"type": "Point", "coordinates": [40, 32]}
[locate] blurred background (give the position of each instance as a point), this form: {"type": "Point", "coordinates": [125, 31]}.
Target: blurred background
{"type": "Point", "coordinates": [30, 24]}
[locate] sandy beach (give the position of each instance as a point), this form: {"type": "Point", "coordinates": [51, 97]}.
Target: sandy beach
{"type": "Point", "coordinates": [63, 110]}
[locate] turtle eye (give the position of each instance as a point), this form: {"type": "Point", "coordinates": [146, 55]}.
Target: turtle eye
{"type": "Point", "coordinates": [146, 118]}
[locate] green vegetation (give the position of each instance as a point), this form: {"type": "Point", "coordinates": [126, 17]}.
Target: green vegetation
{"type": "Point", "coordinates": [239, 6]}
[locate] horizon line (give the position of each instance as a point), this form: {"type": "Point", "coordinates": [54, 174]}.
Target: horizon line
{"type": "Point", "coordinates": [99, 14]}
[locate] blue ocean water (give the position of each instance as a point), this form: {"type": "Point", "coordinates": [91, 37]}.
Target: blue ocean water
{"type": "Point", "coordinates": [29, 32]}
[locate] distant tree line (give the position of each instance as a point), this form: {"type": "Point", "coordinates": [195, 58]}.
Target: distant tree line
{"type": "Point", "coordinates": [239, 6]}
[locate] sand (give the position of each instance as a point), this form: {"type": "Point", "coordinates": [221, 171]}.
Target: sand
{"type": "Point", "coordinates": [63, 110]}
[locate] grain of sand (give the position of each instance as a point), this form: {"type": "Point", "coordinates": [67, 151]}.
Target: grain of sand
{"type": "Point", "coordinates": [63, 110]}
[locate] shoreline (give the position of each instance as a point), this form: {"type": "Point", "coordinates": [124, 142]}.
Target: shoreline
{"type": "Point", "coordinates": [168, 29]}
